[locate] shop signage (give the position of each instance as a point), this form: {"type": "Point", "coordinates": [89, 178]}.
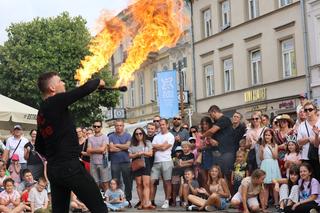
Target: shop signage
{"type": "Point", "coordinates": [286, 104]}
{"type": "Point", "coordinates": [255, 95]}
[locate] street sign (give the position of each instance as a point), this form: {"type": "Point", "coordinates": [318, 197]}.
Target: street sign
{"type": "Point", "coordinates": [185, 97]}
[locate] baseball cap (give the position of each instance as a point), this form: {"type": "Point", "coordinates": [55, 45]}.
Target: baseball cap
{"type": "Point", "coordinates": [17, 127]}
{"type": "Point", "coordinates": [15, 157]}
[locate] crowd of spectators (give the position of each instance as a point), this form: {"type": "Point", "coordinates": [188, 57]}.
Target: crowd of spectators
{"type": "Point", "coordinates": [251, 164]}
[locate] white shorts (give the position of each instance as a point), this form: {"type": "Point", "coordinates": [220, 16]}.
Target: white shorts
{"type": "Point", "coordinates": [252, 201]}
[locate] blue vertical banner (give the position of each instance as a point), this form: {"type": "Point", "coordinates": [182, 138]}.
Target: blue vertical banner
{"type": "Point", "coordinates": [167, 93]}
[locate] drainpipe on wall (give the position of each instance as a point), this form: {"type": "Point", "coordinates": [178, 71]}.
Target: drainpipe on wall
{"type": "Point", "coordinates": [194, 84]}
{"type": "Point", "coordinates": [306, 49]}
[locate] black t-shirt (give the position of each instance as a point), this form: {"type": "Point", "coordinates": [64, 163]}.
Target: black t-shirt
{"type": "Point", "coordinates": [34, 157]}
{"type": "Point", "coordinates": [184, 157]}
{"type": "Point", "coordinates": [225, 135]}
{"type": "Point", "coordinates": [57, 138]}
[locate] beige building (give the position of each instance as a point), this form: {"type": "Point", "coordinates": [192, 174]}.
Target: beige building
{"type": "Point", "coordinates": [312, 11]}
{"type": "Point", "coordinates": [248, 55]}
{"type": "Point", "coordinates": [140, 101]}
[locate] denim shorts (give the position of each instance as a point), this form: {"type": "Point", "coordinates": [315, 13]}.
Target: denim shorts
{"type": "Point", "coordinates": [223, 204]}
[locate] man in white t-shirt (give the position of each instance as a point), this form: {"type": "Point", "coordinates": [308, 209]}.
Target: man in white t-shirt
{"type": "Point", "coordinates": [12, 143]}
{"type": "Point", "coordinates": [162, 144]}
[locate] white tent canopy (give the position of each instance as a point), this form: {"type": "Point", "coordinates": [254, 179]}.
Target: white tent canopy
{"type": "Point", "coordinates": [13, 112]}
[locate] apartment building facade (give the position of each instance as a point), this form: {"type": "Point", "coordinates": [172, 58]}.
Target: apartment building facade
{"type": "Point", "coordinates": [312, 16]}
{"type": "Point", "coordinates": [248, 55]}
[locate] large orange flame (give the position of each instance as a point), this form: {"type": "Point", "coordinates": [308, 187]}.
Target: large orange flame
{"type": "Point", "coordinates": [102, 47]}
{"type": "Point", "coordinates": [160, 25]}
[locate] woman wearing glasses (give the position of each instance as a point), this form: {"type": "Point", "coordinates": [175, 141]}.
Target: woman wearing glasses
{"type": "Point", "coordinates": [307, 137]}
{"type": "Point", "coordinates": [254, 134]}
{"type": "Point", "coordinates": [141, 148]}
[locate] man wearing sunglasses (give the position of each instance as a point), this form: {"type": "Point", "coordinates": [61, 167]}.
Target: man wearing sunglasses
{"type": "Point", "coordinates": [97, 149]}
{"type": "Point", "coordinates": [57, 140]}
{"type": "Point", "coordinates": [179, 133]}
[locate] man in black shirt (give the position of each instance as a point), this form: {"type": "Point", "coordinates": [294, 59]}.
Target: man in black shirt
{"type": "Point", "coordinates": [57, 140]}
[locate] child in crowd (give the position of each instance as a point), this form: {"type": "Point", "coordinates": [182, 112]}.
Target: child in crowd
{"type": "Point", "coordinates": [38, 197]}
{"type": "Point", "coordinates": [217, 192]}
{"type": "Point", "coordinates": [3, 176]}
{"type": "Point", "coordinates": [293, 153]}
{"type": "Point", "coordinates": [243, 147]}
{"type": "Point", "coordinates": [25, 194]}
{"type": "Point", "coordinates": [115, 197]}
{"type": "Point", "coordinates": [15, 169]}
{"type": "Point", "coordinates": [27, 178]}
{"type": "Point", "coordinates": [188, 186]}
{"type": "Point", "coordinates": [10, 198]}
{"type": "Point", "coordinates": [248, 192]}
{"type": "Point", "coordinates": [240, 170]}
{"type": "Point", "coordinates": [184, 160]}
{"type": "Point", "coordinates": [289, 190]}
{"type": "Point", "coordinates": [309, 197]}
{"type": "Point", "coordinates": [268, 153]}
{"type": "Point", "coordinates": [76, 205]}
{"type": "Point", "coordinates": [3, 164]}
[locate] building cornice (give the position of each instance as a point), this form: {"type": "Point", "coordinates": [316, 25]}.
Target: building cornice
{"type": "Point", "coordinates": [253, 87]}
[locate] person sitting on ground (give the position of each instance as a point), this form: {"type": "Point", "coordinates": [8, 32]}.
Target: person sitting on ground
{"type": "Point", "coordinates": [248, 192]}
{"type": "Point", "coordinates": [115, 197]}
{"type": "Point", "coordinates": [309, 197]}
{"type": "Point", "coordinates": [289, 190]}
{"type": "Point", "coordinates": [188, 186]}
{"type": "Point", "coordinates": [76, 205]}
{"type": "Point", "coordinates": [38, 197]}
{"type": "Point", "coordinates": [10, 199]}
{"type": "Point", "coordinates": [217, 192]}
{"type": "Point", "coordinates": [27, 178]}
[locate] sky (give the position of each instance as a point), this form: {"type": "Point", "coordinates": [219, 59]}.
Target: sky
{"type": "Point", "coordinates": [13, 11]}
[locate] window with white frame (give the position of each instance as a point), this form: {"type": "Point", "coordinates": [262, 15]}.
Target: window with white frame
{"type": "Point", "coordinates": [288, 58]}
{"type": "Point", "coordinates": [284, 2]}
{"type": "Point", "coordinates": [253, 8]}
{"type": "Point", "coordinates": [132, 102]}
{"type": "Point", "coordinates": [255, 60]}
{"type": "Point", "coordinates": [154, 86]}
{"type": "Point", "coordinates": [209, 79]}
{"type": "Point", "coordinates": [225, 13]}
{"type": "Point", "coordinates": [141, 88]}
{"type": "Point", "coordinates": [228, 74]}
{"type": "Point", "coordinates": [207, 22]}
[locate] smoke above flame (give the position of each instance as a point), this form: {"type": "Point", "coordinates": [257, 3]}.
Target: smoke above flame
{"type": "Point", "coordinates": [151, 24]}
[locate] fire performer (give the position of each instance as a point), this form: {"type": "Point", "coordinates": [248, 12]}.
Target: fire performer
{"type": "Point", "coordinates": [57, 140]}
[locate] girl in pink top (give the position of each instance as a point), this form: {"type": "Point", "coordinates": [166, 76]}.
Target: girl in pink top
{"type": "Point", "coordinates": [15, 169]}
{"type": "Point", "coordinates": [293, 153]}
{"type": "Point", "coordinates": [10, 198]}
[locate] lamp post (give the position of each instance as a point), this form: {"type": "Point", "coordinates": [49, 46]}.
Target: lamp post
{"type": "Point", "coordinates": [181, 79]}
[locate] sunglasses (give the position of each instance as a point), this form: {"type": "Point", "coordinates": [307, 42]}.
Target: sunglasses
{"type": "Point", "coordinates": [308, 109]}
{"type": "Point", "coordinates": [177, 119]}
{"type": "Point", "coordinates": [94, 126]}
{"type": "Point", "coordinates": [255, 119]}
{"type": "Point", "coordinates": [193, 131]}
{"type": "Point", "coordinates": [138, 133]}
{"type": "Point", "coordinates": [156, 121]}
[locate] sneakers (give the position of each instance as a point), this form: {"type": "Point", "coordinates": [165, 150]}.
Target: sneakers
{"type": "Point", "coordinates": [192, 208]}
{"type": "Point", "coordinates": [165, 204]}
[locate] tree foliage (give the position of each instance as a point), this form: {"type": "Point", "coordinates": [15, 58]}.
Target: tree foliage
{"type": "Point", "coordinates": [49, 44]}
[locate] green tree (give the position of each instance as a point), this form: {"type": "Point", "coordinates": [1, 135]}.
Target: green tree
{"type": "Point", "coordinates": [49, 44]}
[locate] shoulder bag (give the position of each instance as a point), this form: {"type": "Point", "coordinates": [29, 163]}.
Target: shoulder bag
{"type": "Point", "coordinates": [313, 151]}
